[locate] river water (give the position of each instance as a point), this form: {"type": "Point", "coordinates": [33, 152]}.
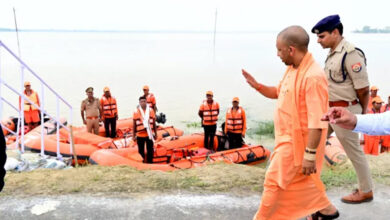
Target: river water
{"type": "Point", "coordinates": [178, 67]}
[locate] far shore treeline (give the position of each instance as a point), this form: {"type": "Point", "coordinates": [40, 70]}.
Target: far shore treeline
{"type": "Point", "coordinates": [368, 29]}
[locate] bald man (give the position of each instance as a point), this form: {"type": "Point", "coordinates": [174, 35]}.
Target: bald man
{"type": "Point", "coordinates": [292, 186]}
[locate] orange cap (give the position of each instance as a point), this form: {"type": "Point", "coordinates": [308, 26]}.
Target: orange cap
{"type": "Point", "coordinates": [236, 99]}
{"type": "Point", "coordinates": [106, 89]}
{"type": "Point", "coordinates": [146, 87]}
{"type": "Point", "coordinates": [27, 83]}
{"type": "Point", "coordinates": [209, 93]}
{"type": "Point", "coordinates": [374, 88]}
{"type": "Point", "coordinates": [377, 99]}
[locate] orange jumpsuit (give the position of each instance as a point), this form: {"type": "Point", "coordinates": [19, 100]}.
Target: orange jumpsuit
{"type": "Point", "coordinates": [371, 142]}
{"type": "Point", "coordinates": [31, 113]}
{"type": "Point", "coordinates": [302, 100]}
{"type": "Point", "coordinates": [385, 138]}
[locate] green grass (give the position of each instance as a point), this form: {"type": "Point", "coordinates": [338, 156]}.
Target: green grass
{"type": "Point", "coordinates": [338, 176]}
{"type": "Point", "coordinates": [263, 128]}
{"type": "Point", "coordinates": [345, 175]}
{"type": "Point", "coordinates": [218, 177]}
{"type": "Point", "coordinates": [193, 125]}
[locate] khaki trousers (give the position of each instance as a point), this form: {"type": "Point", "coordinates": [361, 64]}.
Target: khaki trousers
{"type": "Point", "coordinates": [93, 125]}
{"type": "Point", "coordinates": [351, 143]}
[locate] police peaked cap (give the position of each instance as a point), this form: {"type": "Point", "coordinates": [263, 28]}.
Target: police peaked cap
{"type": "Point", "coordinates": [326, 24]}
{"type": "Point", "coordinates": [89, 89]}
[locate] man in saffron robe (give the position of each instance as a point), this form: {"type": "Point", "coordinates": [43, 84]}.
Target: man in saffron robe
{"type": "Point", "coordinates": [292, 186]}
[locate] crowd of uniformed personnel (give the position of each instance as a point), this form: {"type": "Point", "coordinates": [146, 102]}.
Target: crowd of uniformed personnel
{"type": "Point", "coordinates": [144, 131]}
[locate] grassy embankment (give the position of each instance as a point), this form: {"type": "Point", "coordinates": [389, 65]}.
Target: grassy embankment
{"type": "Point", "coordinates": [237, 179]}
{"type": "Point", "coordinates": [122, 180]}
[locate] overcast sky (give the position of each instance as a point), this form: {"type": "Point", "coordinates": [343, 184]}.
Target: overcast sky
{"type": "Point", "coordinates": [196, 15]}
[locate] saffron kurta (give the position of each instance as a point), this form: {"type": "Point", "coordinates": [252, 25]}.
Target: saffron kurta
{"type": "Point", "coordinates": [302, 100]}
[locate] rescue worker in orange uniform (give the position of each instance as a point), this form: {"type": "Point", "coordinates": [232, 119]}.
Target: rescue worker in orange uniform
{"type": "Point", "coordinates": [292, 186]}
{"type": "Point", "coordinates": [373, 94]}
{"type": "Point", "coordinates": [144, 129]}
{"type": "Point", "coordinates": [371, 142]}
{"type": "Point", "coordinates": [110, 112]}
{"type": "Point", "coordinates": [91, 106]}
{"type": "Point", "coordinates": [386, 138]}
{"type": "Point", "coordinates": [208, 112]}
{"type": "Point", "coordinates": [31, 113]}
{"type": "Point", "coordinates": [150, 99]}
{"type": "Point", "coordinates": [235, 124]}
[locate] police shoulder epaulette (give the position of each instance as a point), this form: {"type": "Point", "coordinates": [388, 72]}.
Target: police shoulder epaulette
{"type": "Point", "coordinates": [349, 47]}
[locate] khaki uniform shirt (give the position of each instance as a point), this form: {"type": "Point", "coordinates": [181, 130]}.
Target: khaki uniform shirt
{"type": "Point", "coordinates": [91, 108]}
{"type": "Point", "coordinates": [355, 69]}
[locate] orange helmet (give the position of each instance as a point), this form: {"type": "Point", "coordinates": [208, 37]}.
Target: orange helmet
{"type": "Point", "coordinates": [377, 99]}
{"type": "Point", "coordinates": [209, 93]}
{"type": "Point", "coordinates": [374, 88]}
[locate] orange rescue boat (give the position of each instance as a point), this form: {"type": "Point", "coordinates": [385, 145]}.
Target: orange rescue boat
{"type": "Point", "coordinates": [180, 153]}
{"type": "Point", "coordinates": [334, 152]}
{"type": "Point", "coordinates": [86, 143]}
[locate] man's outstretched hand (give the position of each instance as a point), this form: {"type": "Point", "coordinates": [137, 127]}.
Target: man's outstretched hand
{"type": "Point", "coordinates": [250, 80]}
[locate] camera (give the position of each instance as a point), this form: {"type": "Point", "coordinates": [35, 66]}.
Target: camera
{"type": "Point", "coordinates": [161, 118]}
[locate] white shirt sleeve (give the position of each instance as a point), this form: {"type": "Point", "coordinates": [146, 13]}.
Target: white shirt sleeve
{"type": "Point", "coordinates": [373, 124]}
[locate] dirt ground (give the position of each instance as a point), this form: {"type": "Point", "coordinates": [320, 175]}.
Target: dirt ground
{"type": "Point", "coordinates": [177, 205]}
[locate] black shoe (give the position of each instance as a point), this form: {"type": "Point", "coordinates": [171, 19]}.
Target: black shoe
{"type": "Point", "coordinates": [318, 215]}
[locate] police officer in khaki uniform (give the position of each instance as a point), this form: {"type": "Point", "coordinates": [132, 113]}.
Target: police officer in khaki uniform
{"type": "Point", "coordinates": [345, 67]}
{"type": "Point", "coordinates": [91, 106]}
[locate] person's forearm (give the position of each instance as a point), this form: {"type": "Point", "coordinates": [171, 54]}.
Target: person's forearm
{"type": "Point", "coordinates": [311, 147]}
{"type": "Point", "coordinates": [314, 138]}
{"type": "Point", "coordinates": [267, 91]}
{"type": "Point", "coordinates": [363, 96]}
{"type": "Point", "coordinates": [373, 124]}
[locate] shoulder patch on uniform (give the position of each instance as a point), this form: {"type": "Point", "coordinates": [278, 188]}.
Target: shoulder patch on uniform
{"type": "Point", "coordinates": [357, 67]}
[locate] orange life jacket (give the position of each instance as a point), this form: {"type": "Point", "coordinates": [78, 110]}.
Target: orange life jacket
{"type": "Point", "coordinates": [109, 107]}
{"type": "Point", "coordinates": [140, 129]}
{"type": "Point", "coordinates": [234, 123]}
{"type": "Point", "coordinates": [210, 115]}
{"type": "Point", "coordinates": [33, 98]}
{"type": "Point", "coordinates": [151, 100]}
